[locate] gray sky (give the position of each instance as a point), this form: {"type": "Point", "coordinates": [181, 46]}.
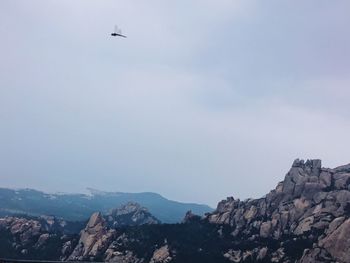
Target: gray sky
{"type": "Point", "coordinates": [203, 100]}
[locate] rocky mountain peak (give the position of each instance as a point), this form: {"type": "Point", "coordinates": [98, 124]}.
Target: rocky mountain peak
{"type": "Point", "coordinates": [128, 208]}
{"type": "Point", "coordinates": [308, 164]}
{"type": "Point", "coordinates": [304, 178]}
{"type": "Point", "coordinates": [96, 221]}
{"type": "Point", "coordinates": [100, 232]}
{"type": "Point", "coordinates": [93, 238]}
{"type": "Point", "coordinates": [305, 219]}
{"type": "Point", "coordinates": [309, 204]}
{"type": "Point", "coordinates": [130, 214]}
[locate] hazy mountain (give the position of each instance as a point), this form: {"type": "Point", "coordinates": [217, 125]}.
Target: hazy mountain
{"type": "Point", "coordinates": [78, 207]}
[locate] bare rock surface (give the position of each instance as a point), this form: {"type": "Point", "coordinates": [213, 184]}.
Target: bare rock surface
{"type": "Point", "coordinates": [304, 219]}
{"type": "Point", "coordinates": [312, 203]}
{"type": "Point", "coordinates": [100, 239]}
{"type": "Point", "coordinates": [130, 214]}
{"type": "Point", "coordinates": [93, 239]}
{"type": "Point", "coordinates": [161, 255]}
{"type": "Point", "coordinates": [28, 237]}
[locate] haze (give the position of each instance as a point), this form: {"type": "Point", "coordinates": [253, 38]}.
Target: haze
{"type": "Point", "coordinates": [203, 100]}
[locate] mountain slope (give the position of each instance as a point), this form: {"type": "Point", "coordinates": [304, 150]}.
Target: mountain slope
{"type": "Point", "coordinates": [77, 207]}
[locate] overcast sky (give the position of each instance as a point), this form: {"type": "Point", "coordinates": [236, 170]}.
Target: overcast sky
{"type": "Point", "coordinates": [203, 100]}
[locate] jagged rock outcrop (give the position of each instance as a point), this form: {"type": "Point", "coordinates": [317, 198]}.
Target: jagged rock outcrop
{"type": "Point", "coordinates": [28, 237]}
{"type": "Point", "coordinates": [130, 214]}
{"type": "Point", "coordinates": [305, 219]}
{"type": "Point", "coordinates": [99, 239]}
{"type": "Point", "coordinates": [47, 237]}
{"type": "Point", "coordinates": [25, 229]}
{"type": "Point", "coordinates": [94, 239]}
{"type": "Point", "coordinates": [309, 207]}
{"type": "Point", "coordinates": [32, 226]}
{"type": "Point", "coordinates": [308, 211]}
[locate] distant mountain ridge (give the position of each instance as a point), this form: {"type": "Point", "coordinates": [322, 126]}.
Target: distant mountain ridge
{"type": "Point", "coordinates": [78, 207]}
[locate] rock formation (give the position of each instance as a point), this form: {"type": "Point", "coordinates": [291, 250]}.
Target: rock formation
{"type": "Point", "coordinates": [43, 237]}
{"type": "Point", "coordinates": [99, 239]}
{"type": "Point", "coordinates": [93, 239]}
{"type": "Point", "coordinates": [308, 210]}
{"type": "Point", "coordinates": [305, 219]}
{"type": "Point", "coordinates": [130, 214]}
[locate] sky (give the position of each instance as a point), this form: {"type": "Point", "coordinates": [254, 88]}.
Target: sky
{"type": "Point", "coordinates": [202, 100]}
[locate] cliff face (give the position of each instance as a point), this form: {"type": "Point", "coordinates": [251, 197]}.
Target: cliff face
{"type": "Point", "coordinates": [309, 209]}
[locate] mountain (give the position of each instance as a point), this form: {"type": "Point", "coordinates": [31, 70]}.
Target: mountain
{"type": "Point", "coordinates": [101, 230]}
{"type": "Point", "coordinates": [305, 219]}
{"type": "Point", "coordinates": [50, 238]}
{"type": "Point", "coordinates": [78, 207]}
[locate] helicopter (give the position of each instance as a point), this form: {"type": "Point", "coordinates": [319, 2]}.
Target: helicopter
{"type": "Point", "coordinates": [117, 32]}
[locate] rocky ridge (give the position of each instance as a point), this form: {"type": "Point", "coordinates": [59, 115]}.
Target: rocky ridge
{"type": "Point", "coordinates": [99, 240]}
{"type": "Point", "coordinates": [306, 218]}
{"type": "Point", "coordinates": [93, 239]}
{"type": "Point", "coordinates": [309, 210]}
{"type": "Point", "coordinates": [47, 237]}
{"type": "Point", "coordinates": [130, 214]}
{"type": "Point", "coordinates": [42, 237]}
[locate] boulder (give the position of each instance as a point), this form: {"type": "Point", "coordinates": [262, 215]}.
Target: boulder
{"type": "Point", "coordinates": [338, 242]}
